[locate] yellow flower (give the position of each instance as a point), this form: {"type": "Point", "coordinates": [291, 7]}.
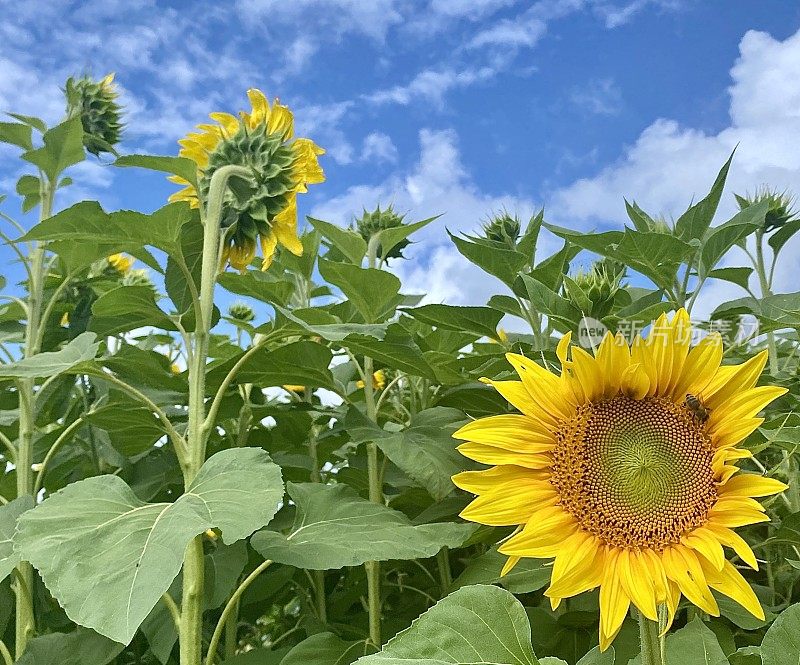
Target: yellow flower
{"type": "Point", "coordinates": [623, 469]}
{"type": "Point", "coordinates": [378, 381]}
{"type": "Point", "coordinates": [294, 389]}
{"type": "Point", "coordinates": [64, 319]}
{"type": "Point", "coordinates": [502, 337]}
{"type": "Point", "coordinates": [174, 368]}
{"type": "Point", "coordinates": [121, 263]}
{"type": "Point", "coordinates": [264, 209]}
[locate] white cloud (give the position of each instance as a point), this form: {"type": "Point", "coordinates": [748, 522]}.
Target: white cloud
{"type": "Point", "coordinates": [670, 164]}
{"type": "Point", "coordinates": [598, 97]}
{"type": "Point", "coordinates": [299, 54]}
{"type": "Point", "coordinates": [510, 34]}
{"type": "Point", "coordinates": [431, 85]}
{"type": "Point", "coordinates": [437, 184]}
{"type": "Point", "coordinates": [378, 147]}
{"type": "Point", "coordinates": [322, 122]}
{"type": "Point", "coordinates": [322, 17]}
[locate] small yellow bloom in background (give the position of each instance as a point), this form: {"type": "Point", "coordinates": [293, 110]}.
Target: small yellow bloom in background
{"type": "Point", "coordinates": [64, 319]}
{"type": "Point", "coordinates": [293, 388]}
{"type": "Point", "coordinates": [262, 210]}
{"type": "Point", "coordinates": [502, 337]}
{"type": "Point", "coordinates": [623, 469]}
{"type": "Point", "coordinates": [174, 368]}
{"type": "Point", "coordinates": [121, 263]}
{"type": "Point", "coordinates": [378, 381]}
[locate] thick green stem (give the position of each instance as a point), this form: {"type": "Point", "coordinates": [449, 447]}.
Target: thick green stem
{"type": "Point", "coordinates": [651, 645]}
{"type": "Point", "coordinates": [373, 568]}
{"type": "Point", "coordinates": [445, 575]}
{"type": "Point", "coordinates": [25, 620]}
{"type": "Point", "coordinates": [763, 280]}
{"type": "Point", "coordinates": [232, 632]}
{"type": "Point", "coordinates": [198, 429]}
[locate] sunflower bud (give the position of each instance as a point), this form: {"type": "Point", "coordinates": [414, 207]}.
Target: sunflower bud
{"type": "Point", "coordinates": [600, 285]}
{"type": "Point", "coordinates": [780, 206]}
{"type": "Point", "coordinates": [240, 311]}
{"type": "Point", "coordinates": [502, 228]}
{"type": "Point", "coordinates": [378, 220]}
{"type": "Point", "coordinates": [378, 381]}
{"type": "Point", "coordinates": [95, 102]}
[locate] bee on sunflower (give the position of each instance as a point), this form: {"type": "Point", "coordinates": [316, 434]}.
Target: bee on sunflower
{"type": "Point", "coordinates": [608, 470]}
{"type": "Point", "coordinates": [261, 209]}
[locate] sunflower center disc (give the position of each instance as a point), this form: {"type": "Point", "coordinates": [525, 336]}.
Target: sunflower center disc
{"type": "Point", "coordinates": [636, 473]}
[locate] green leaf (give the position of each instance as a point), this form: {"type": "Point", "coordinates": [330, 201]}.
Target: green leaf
{"type": "Point", "coordinates": [503, 263]}
{"type": "Point", "coordinates": [546, 301]}
{"type": "Point", "coordinates": [259, 285]}
{"type": "Point", "coordinates": [28, 188]}
{"type": "Point", "coordinates": [746, 656]}
{"type": "Point", "coordinates": [328, 327]}
{"type": "Point", "coordinates": [63, 147]}
{"type": "Point", "coordinates": [191, 251]}
{"type": "Point", "coordinates": [655, 255]}
{"type": "Point", "coordinates": [125, 230]}
{"type": "Point", "coordinates": [8, 522]}
{"type": "Point", "coordinates": [739, 276]}
{"type": "Point", "coordinates": [132, 428]}
{"type": "Point", "coordinates": [258, 657]}
{"type": "Point", "coordinates": [334, 527]}
{"type": "Point", "coordinates": [778, 239]}
{"type": "Point", "coordinates": [126, 308]}
{"type": "Point", "coordinates": [694, 644]}
{"type": "Point", "coordinates": [597, 657]}
{"type": "Point", "coordinates": [81, 349]}
{"type": "Point", "coordinates": [372, 292]}
{"type": "Point", "coordinates": [425, 451]}
{"type": "Point", "coordinates": [348, 242]}
{"type": "Point", "coordinates": [180, 166]}
{"type": "Point", "coordinates": [16, 133]}
{"type": "Point", "coordinates": [397, 350]}
{"type": "Point", "coordinates": [324, 649]}
{"type": "Point", "coordinates": [528, 575]}
{"type": "Point", "coordinates": [483, 321]}
{"type": "Point", "coordinates": [476, 624]}
{"type": "Point", "coordinates": [719, 239]}
{"type": "Point", "coordinates": [80, 647]}
{"type": "Point", "coordinates": [781, 645]}
{"type": "Point", "coordinates": [389, 238]}
{"type": "Point", "coordinates": [641, 220]}
{"type": "Point", "coordinates": [33, 121]}
{"type": "Point", "coordinates": [695, 221]}
{"type": "Point", "coordinates": [108, 556]}
{"type": "Point", "coordinates": [302, 363]}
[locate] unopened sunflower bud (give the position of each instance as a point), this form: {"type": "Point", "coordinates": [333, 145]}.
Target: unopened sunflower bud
{"type": "Point", "coordinates": [780, 206]}
{"type": "Point", "coordinates": [95, 102]}
{"type": "Point", "coordinates": [379, 220]}
{"type": "Point", "coordinates": [240, 311]}
{"type": "Point", "coordinates": [503, 228]}
{"type": "Point", "coordinates": [600, 285]}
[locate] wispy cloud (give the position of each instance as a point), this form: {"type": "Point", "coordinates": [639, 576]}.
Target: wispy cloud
{"type": "Point", "coordinates": [598, 97]}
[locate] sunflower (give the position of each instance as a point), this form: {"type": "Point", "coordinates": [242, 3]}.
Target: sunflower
{"type": "Point", "coordinates": [378, 380]}
{"type": "Point", "coordinates": [262, 209]}
{"type": "Point", "coordinates": [623, 469]}
{"type": "Point", "coordinates": [121, 263]}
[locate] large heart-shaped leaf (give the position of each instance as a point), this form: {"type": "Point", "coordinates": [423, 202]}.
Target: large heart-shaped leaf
{"type": "Point", "coordinates": [108, 557]}
{"type": "Point", "coordinates": [8, 523]}
{"type": "Point", "coordinates": [82, 348]}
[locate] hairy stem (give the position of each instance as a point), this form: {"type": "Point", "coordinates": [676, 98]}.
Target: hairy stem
{"type": "Point", "coordinates": [765, 291]}
{"type": "Point", "coordinates": [191, 632]}
{"type": "Point", "coordinates": [651, 645]}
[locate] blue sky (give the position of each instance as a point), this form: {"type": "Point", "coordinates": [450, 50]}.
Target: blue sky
{"type": "Point", "coordinates": [440, 106]}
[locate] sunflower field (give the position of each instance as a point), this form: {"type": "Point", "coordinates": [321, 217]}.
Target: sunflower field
{"type": "Point", "coordinates": [229, 437]}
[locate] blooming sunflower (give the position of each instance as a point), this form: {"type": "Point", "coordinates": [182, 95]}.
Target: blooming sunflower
{"type": "Point", "coordinates": [264, 208]}
{"type": "Point", "coordinates": [623, 468]}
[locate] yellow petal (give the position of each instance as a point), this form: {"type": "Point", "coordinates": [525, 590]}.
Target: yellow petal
{"type": "Point", "coordinates": [730, 582]}
{"type": "Point", "coordinates": [745, 404]}
{"type": "Point", "coordinates": [614, 602]}
{"type": "Point", "coordinates": [705, 542]}
{"type": "Point", "coordinates": [682, 567]}
{"type": "Point", "coordinates": [700, 366]}
{"type": "Point", "coordinates": [730, 538]}
{"type": "Point", "coordinates": [516, 395]}
{"type": "Point", "coordinates": [284, 226]}
{"type": "Point", "coordinates": [509, 432]}
{"type": "Point", "coordinates": [635, 382]}
{"type": "Point", "coordinates": [587, 371]}
{"type": "Point", "coordinates": [637, 583]}
{"type": "Point", "coordinates": [543, 387]}
{"type": "Point", "coordinates": [729, 381]}
{"type": "Point", "coordinates": [492, 455]}
{"type": "Point", "coordinates": [750, 484]}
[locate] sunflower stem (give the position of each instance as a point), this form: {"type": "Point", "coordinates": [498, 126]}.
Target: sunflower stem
{"type": "Point", "coordinates": [25, 620]}
{"type": "Point", "coordinates": [651, 644]}
{"type": "Point", "coordinates": [765, 292]}
{"type": "Point", "coordinates": [191, 626]}
{"type": "Point", "coordinates": [373, 568]}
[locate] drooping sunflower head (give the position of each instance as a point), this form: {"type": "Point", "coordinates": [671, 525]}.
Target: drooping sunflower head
{"type": "Point", "coordinates": [623, 468]}
{"type": "Point", "coordinates": [96, 104]}
{"type": "Point", "coordinates": [261, 209]}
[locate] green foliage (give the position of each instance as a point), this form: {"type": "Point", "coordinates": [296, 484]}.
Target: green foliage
{"type": "Point", "coordinates": [148, 436]}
